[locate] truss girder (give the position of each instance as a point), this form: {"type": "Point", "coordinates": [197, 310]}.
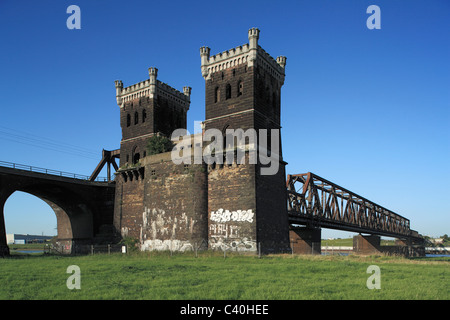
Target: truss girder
{"type": "Point", "coordinates": [318, 202]}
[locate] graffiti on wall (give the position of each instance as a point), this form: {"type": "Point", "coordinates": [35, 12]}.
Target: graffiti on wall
{"type": "Point", "coordinates": [240, 244]}
{"type": "Point", "coordinates": [225, 230]}
{"type": "Point", "coordinates": [222, 215]}
{"type": "Point", "coordinates": [159, 230]}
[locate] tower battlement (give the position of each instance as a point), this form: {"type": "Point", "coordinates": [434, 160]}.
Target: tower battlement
{"type": "Point", "coordinates": [250, 54]}
{"type": "Point", "coordinates": [151, 88]}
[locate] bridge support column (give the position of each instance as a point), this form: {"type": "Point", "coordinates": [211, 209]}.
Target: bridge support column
{"type": "Point", "coordinates": [305, 240]}
{"type": "Point", "coordinates": [4, 249]}
{"type": "Point", "coordinates": [366, 244]}
{"type": "Point", "coordinates": [409, 248]}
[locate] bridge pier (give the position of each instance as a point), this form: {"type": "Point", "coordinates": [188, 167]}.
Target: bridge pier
{"type": "Point", "coordinates": [409, 248]}
{"type": "Point", "coordinates": [4, 194]}
{"type": "Point", "coordinates": [305, 240]}
{"type": "Point", "coordinates": [366, 244]}
{"type": "Point", "coordinates": [372, 245]}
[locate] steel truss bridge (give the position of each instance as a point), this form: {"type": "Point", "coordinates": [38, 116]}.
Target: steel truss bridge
{"type": "Point", "coordinates": [316, 202]}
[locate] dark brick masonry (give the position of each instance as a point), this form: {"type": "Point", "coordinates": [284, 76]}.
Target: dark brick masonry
{"type": "Point", "coordinates": [168, 206]}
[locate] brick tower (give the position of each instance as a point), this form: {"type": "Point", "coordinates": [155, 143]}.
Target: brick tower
{"type": "Point", "coordinates": [147, 108]}
{"type": "Point", "coordinates": [156, 202]}
{"type": "Point", "coordinates": [246, 208]}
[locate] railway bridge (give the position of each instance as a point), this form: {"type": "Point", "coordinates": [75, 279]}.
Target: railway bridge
{"type": "Point", "coordinates": [84, 207]}
{"type": "Point", "coordinates": [315, 203]}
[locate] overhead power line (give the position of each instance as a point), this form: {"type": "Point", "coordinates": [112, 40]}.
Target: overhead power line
{"type": "Point", "coordinates": [30, 139]}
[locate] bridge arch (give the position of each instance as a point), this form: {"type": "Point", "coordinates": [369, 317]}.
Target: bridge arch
{"type": "Point", "coordinates": [82, 207]}
{"type": "Point", "coordinates": [27, 214]}
{"type": "Point", "coordinates": [73, 217]}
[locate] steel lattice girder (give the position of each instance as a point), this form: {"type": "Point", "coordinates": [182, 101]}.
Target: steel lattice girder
{"type": "Point", "coordinates": [321, 203]}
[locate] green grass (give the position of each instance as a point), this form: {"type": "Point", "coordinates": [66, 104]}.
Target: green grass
{"type": "Point", "coordinates": [27, 246]}
{"type": "Point", "coordinates": [210, 276]}
{"type": "Point", "coordinates": [348, 242]}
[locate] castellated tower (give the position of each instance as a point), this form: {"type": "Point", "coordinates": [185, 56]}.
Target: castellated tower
{"type": "Point", "coordinates": [158, 203]}
{"type": "Point", "coordinates": [147, 108]}
{"type": "Point", "coordinates": [233, 204]}
{"type": "Point", "coordinates": [243, 91]}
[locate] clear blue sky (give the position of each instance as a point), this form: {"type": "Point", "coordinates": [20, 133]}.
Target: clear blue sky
{"type": "Point", "coordinates": [366, 109]}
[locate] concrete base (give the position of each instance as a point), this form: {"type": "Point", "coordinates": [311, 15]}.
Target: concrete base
{"type": "Point", "coordinates": [305, 240]}
{"type": "Point", "coordinates": [366, 244]}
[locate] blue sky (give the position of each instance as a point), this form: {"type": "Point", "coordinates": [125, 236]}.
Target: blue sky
{"type": "Point", "coordinates": [366, 109]}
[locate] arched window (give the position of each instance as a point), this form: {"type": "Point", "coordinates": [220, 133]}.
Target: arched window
{"type": "Point", "coordinates": [136, 158]}
{"type": "Point", "coordinates": [136, 155]}
{"type": "Point", "coordinates": [128, 120]}
{"type": "Point", "coordinates": [217, 94]}
{"type": "Point", "coordinates": [240, 88]}
{"type": "Point", "coordinates": [144, 115]}
{"type": "Point", "coordinates": [228, 91]}
{"type": "Point", "coordinates": [136, 117]}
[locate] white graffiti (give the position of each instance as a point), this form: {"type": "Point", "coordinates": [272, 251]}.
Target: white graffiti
{"type": "Point", "coordinates": [159, 230]}
{"type": "Point", "coordinates": [238, 245]}
{"type": "Point", "coordinates": [166, 245]}
{"type": "Point", "coordinates": [227, 215]}
{"type": "Point", "coordinates": [223, 230]}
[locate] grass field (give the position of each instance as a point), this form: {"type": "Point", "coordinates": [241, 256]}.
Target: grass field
{"type": "Point", "coordinates": [211, 276]}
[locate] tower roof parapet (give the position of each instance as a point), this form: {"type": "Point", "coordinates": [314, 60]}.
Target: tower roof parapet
{"type": "Point", "coordinates": [151, 88]}
{"type": "Point", "coordinates": [250, 53]}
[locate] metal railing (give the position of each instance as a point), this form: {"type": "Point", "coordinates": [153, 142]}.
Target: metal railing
{"type": "Point", "coordinates": [49, 171]}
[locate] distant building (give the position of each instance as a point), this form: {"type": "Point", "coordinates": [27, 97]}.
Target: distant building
{"type": "Point", "coordinates": [9, 238]}
{"type": "Point", "coordinates": [25, 238]}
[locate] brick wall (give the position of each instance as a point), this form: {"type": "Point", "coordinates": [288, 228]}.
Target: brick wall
{"type": "Point", "coordinates": [167, 209]}
{"type": "Point", "coordinates": [232, 207]}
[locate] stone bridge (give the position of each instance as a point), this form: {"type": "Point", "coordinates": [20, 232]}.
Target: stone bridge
{"type": "Point", "coordinates": [84, 209]}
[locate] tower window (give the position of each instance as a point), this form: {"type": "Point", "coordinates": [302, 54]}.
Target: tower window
{"type": "Point", "coordinates": [217, 94]}
{"type": "Point", "coordinates": [144, 115]}
{"type": "Point", "coordinates": [136, 158]}
{"type": "Point", "coordinates": [136, 117]}
{"type": "Point", "coordinates": [228, 91]}
{"type": "Point", "coordinates": [135, 155]}
{"type": "Point", "coordinates": [240, 88]}
{"type": "Point", "coordinates": [128, 120]}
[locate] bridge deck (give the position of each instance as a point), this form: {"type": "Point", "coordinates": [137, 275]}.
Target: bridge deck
{"type": "Point", "coordinates": [21, 168]}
